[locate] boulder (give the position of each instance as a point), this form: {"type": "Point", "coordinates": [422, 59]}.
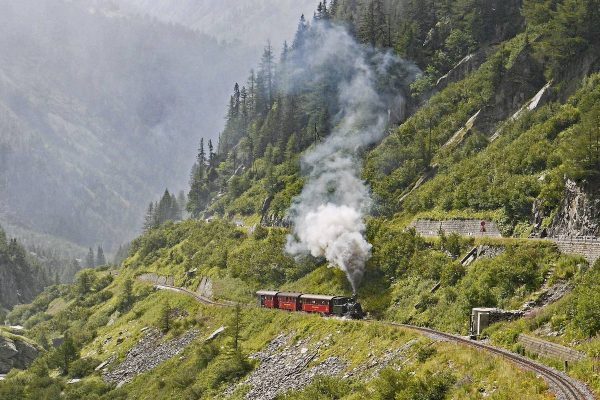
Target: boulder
{"type": "Point", "coordinates": [16, 353]}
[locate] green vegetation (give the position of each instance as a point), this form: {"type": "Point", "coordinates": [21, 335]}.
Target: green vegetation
{"type": "Point", "coordinates": [242, 187]}
{"type": "Point", "coordinates": [205, 370]}
{"type": "Point", "coordinates": [573, 319]}
{"type": "Point", "coordinates": [21, 276]}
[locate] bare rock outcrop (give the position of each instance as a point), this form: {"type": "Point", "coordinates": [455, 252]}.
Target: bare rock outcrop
{"type": "Point", "coordinates": [579, 214]}
{"type": "Point", "coordinates": [284, 367]}
{"type": "Point", "coordinates": [15, 353]}
{"type": "Point", "coordinates": [147, 355]}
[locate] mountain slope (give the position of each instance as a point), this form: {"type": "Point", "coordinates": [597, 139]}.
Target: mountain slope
{"type": "Point", "coordinates": [99, 115]}
{"type": "Point", "coordinates": [229, 20]}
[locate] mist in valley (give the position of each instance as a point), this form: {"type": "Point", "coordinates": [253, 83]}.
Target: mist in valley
{"type": "Point", "coordinates": [102, 105]}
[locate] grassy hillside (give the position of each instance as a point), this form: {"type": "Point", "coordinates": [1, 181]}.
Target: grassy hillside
{"type": "Point", "coordinates": [204, 370]}
{"type": "Point", "coordinates": [472, 148]}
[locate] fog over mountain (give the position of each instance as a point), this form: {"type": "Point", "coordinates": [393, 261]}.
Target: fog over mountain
{"type": "Point", "coordinates": [250, 21]}
{"type": "Point", "coordinates": [101, 108]}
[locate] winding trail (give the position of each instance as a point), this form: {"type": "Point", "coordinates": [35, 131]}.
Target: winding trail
{"type": "Point", "coordinates": [562, 385]}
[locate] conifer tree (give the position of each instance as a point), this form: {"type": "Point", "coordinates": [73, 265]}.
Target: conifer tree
{"type": "Point", "coordinates": [211, 154]}
{"type": "Point", "coordinates": [83, 283]}
{"type": "Point", "coordinates": [199, 194]}
{"type": "Point", "coordinates": [66, 354]}
{"type": "Point", "coordinates": [89, 261]}
{"type": "Point", "coordinates": [181, 204]}
{"type": "Point", "coordinates": [167, 209]}
{"type": "Point", "coordinates": [174, 212]}
{"type": "Point", "coordinates": [164, 322]}
{"type": "Point", "coordinates": [126, 298]}
{"type": "Point", "coordinates": [366, 30]}
{"type": "Point", "coordinates": [301, 32]}
{"type": "Point", "coordinates": [149, 218]}
{"type": "Point", "coordinates": [100, 259]}
{"type": "Point", "coordinates": [267, 67]}
{"type": "Point", "coordinates": [251, 101]}
{"type": "Point", "coordinates": [236, 100]}
{"type": "Point", "coordinates": [201, 154]}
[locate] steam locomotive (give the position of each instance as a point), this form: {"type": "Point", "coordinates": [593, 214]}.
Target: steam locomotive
{"type": "Point", "coordinates": [312, 303]}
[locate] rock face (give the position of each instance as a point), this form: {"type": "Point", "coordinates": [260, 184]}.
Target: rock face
{"type": "Point", "coordinates": [147, 355]}
{"type": "Point", "coordinates": [15, 353]}
{"type": "Point", "coordinates": [579, 214]}
{"type": "Point", "coordinates": [518, 85]}
{"type": "Point", "coordinates": [547, 296]}
{"type": "Point", "coordinates": [460, 71]}
{"type": "Point", "coordinates": [285, 367]}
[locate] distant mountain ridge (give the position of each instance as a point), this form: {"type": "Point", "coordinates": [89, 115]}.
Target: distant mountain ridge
{"type": "Point", "coordinates": [251, 22]}
{"type": "Point", "coordinates": [98, 115]}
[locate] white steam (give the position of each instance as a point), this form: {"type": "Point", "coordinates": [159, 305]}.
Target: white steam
{"type": "Point", "coordinates": [328, 216]}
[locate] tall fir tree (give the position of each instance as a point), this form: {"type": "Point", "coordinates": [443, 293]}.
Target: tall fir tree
{"type": "Point", "coordinates": [100, 258]}
{"type": "Point", "coordinates": [89, 260]}
{"type": "Point", "coordinates": [149, 219]}
{"type": "Point", "coordinates": [198, 195]}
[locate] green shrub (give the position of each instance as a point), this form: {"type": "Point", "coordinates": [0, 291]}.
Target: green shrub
{"type": "Point", "coordinates": [83, 367]}
{"type": "Point", "coordinates": [425, 352]}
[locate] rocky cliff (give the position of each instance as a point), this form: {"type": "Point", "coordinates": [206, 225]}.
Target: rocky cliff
{"type": "Point", "coordinates": [579, 213]}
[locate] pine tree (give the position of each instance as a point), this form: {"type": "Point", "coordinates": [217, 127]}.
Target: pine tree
{"type": "Point", "coordinates": [236, 100]}
{"type": "Point", "coordinates": [126, 298]}
{"type": "Point", "coordinates": [198, 195]}
{"type": "Point", "coordinates": [174, 212]}
{"type": "Point", "coordinates": [66, 354]}
{"type": "Point", "coordinates": [367, 29]}
{"type": "Point", "coordinates": [167, 209]}
{"type": "Point", "coordinates": [149, 218]}
{"type": "Point", "coordinates": [201, 160]}
{"type": "Point", "coordinates": [301, 34]}
{"type": "Point", "coordinates": [181, 204]}
{"type": "Point", "coordinates": [211, 154]}
{"type": "Point", "coordinates": [100, 259]}
{"type": "Point", "coordinates": [251, 101]}
{"type": "Point", "coordinates": [164, 322]}
{"type": "Point", "coordinates": [236, 327]}
{"type": "Point", "coordinates": [83, 283]}
{"type": "Point", "coordinates": [89, 261]}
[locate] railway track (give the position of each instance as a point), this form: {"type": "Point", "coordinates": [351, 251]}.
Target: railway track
{"type": "Point", "coordinates": [563, 386]}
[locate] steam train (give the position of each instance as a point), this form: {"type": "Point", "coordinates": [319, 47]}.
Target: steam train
{"type": "Point", "coordinates": [311, 303]}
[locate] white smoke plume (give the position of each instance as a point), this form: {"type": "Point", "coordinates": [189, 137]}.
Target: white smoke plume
{"type": "Point", "coordinates": [328, 216]}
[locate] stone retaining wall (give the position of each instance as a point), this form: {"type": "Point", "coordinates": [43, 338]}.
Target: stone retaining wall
{"type": "Point", "coordinates": [548, 349]}
{"type": "Point", "coordinates": [589, 248]}
{"type": "Point", "coordinates": [469, 227]}
{"type": "Point", "coordinates": [157, 279]}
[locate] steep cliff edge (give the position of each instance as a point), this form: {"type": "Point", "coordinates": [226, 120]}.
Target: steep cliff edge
{"type": "Point", "coordinates": [579, 213]}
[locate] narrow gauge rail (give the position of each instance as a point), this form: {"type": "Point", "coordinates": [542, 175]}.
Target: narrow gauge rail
{"type": "Point", "coordinates": [564, 387]}
{"type": "Point", "coordinates": [561, 384]}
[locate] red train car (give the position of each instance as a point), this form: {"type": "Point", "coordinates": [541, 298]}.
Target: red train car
{"type": "Point", "coordinates": [315, 303]}
{"type": "Point", "coordinates": [312, 303]}
{"type": "Point", "coordinates": [268, 299]}
{"type": "Point", "coordinates": [289, 301]}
